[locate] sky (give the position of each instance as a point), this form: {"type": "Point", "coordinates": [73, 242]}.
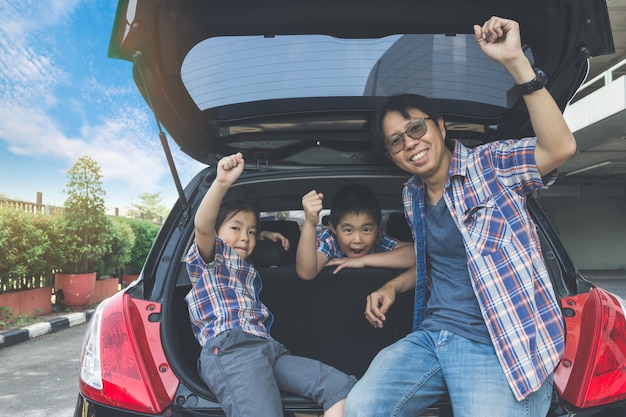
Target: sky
{"type": "Point", "coordinates": [61, 98]}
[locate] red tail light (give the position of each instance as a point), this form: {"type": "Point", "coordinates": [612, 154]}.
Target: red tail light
{"type": "Point", "coordinates": [593, 369]}
{"type": "Point", "coordinates": [122, 362]}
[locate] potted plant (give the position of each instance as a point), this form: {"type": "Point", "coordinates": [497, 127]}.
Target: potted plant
{"type": "Point", "coordinates": [84, 233]}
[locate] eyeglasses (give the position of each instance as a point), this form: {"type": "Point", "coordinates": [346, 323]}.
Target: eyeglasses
{"type": "Point", "coordinates": [416, 130]}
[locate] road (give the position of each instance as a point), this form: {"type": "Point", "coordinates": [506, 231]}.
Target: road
{"type": "Point", "coordinates": [39, 378]}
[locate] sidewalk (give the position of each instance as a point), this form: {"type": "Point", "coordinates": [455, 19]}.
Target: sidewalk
{"type": "Point", "coordinates": [52, 325]}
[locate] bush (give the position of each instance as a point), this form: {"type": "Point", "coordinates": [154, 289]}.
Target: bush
{"type": "Point", "coordinates": [23, 245]}
{"type": "Point", "coordinates": [122, 241]}
{"type": "Point", "coordinates": [145, 233]}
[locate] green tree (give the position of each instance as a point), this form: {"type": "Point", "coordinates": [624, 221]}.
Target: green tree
{"type": "Point", "coordinates": [150, 208]}
{"type": "Point", "coordinates": [122, 241]}
{"type": "Point", "coordinates": [85, 225]}
{"type": "Point", "coordinates": [145, 233]}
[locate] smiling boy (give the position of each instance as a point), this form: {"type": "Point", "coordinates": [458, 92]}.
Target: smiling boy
{"type": "Point", "coordinates": [354, 239]}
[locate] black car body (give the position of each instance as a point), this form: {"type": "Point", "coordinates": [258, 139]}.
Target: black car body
{"type": "Point", "coordinates": [293, 86]}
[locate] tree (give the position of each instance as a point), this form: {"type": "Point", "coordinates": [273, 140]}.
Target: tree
{"type": "Point", "coordinates": [85, 226]}
{"type": "Point", "coordinates": [149, 209]}
{"type": "Point", "coordinates": [122, 241]}
{"type": "Point", "coordinates": [145, 233]}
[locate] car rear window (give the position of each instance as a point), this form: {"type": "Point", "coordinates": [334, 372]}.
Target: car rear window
{"type": "Point", "coordinates": [229, 70]}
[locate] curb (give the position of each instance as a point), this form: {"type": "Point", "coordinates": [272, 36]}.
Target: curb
{"type": "Point", "coordinates": [13, 337]}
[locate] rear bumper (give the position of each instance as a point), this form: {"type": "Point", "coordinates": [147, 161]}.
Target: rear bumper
{"type": "Point", "coordinates": [87, 407]}
{"type": "Point", "coordinates": [611, 410]}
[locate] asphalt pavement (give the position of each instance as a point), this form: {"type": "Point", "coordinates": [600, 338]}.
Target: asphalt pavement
{"type": "Point", "coordinates": [39, 377]}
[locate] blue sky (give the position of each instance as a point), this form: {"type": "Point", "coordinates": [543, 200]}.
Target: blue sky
{"type": "Point", "coordinates": [62, 98]}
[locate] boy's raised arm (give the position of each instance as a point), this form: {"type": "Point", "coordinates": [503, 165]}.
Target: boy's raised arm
{"type": "Point", "coordinates": [228, 170]}
{"type": "Point", "coordinates": [309, 262]}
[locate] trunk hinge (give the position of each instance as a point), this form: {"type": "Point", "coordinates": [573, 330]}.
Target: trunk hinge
{"type": "Point", "coordinates": [162, 137]}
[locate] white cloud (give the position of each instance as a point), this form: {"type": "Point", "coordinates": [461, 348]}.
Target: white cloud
{"type": "Point", "coordinates": [47, 110]}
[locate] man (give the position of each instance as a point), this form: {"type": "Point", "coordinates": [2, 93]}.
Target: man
{"type": "Point", "coordinates": [491, 333]}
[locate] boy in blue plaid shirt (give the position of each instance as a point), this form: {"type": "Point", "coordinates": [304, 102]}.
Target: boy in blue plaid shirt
{"type": "Point", "coordinates": [240, 362]}
{"type": "Point", "coordinates": [354, 238]}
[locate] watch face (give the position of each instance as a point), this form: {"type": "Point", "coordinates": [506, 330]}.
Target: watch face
{"type": "Point", "coordinates": [541, 76]}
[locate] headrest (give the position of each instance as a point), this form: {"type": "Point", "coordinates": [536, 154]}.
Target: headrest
{"type": "Point", "coordinates": [398, 228]}
{"type": "Point", "coordinates": [288, 228]}
{"type": "Point", "coordinates": [268, 253]}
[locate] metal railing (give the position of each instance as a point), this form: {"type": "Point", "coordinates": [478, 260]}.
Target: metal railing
{"type": "Point", "coordinates": [600, 80]}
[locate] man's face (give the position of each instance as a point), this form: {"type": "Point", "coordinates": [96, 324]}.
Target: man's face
{"type": "Point", "coordinates": [356, 234]}
{"type": "Point", "coordinates": [424, 157]}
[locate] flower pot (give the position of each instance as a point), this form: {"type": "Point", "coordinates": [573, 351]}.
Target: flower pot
{"type": "Point", "coordinates": [104, 288]}
{"type": "Point", "coordinates": [77, 290]}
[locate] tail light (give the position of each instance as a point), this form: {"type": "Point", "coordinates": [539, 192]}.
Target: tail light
{"type": "Point", "coordinates": [122, 363]}
{"type": "Point", "coordinates": [593, 369]}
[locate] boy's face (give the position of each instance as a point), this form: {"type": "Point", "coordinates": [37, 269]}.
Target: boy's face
{"type": "Point", "coordinates": [356, 234]}
{"type": "Point", "coordinates": [240, 232]}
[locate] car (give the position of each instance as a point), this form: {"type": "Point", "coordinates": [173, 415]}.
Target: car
{"type": "Point", "coordinates": [293, 86]}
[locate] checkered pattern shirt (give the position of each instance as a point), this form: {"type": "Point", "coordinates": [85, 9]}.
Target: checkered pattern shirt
{"type": "Point", "coordinates": [225, 295]}
{"type": "Point", "coordinates": [328, 245]}
{"type": "Point", "coordinates": [486, 195]}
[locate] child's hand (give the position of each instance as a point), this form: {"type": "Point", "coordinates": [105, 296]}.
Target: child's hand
{"type": "Point", "coordinates": [274, 237]}
{"type": "Point", "coordinates": [229, 168]}
{"type": "Point", "coordinates": [342, 263]}
{"type": "Point", "coordinates": [312, 205]}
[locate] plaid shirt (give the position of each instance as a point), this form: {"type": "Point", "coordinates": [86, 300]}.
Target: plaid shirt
{"type": "Point", "coordinates": [328, 245]}
{"type": "Point", "coordinates": [486, 195]}
{"type": "Point", "coordinates": [225, 295]}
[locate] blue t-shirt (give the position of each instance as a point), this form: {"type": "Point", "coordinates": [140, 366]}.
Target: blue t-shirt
{"type": "Point", "coordinates": [452, 305]}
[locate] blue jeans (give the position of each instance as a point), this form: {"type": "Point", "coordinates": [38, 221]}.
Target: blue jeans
{"type": "Point", "coordinates": [410, 375]}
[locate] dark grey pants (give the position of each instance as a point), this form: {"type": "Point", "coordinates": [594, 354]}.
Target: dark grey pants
{"type": "Point", "coordinates": [247, 373]}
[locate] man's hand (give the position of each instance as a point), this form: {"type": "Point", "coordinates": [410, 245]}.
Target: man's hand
{"type": "Point", "coordinates": [500, 40]}
{"type": "Point", "coordinates": [378, 304]}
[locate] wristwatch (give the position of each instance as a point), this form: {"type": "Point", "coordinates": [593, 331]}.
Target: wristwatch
{"type": "Point", "coordinates": [533, 85]}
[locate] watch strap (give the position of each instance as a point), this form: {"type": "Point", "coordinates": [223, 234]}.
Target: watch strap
{"type": "Point", "coordinates": [533, 85]}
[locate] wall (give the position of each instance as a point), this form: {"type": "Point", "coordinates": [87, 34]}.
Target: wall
{"type": "Point", "coordinates": [592, 226]}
